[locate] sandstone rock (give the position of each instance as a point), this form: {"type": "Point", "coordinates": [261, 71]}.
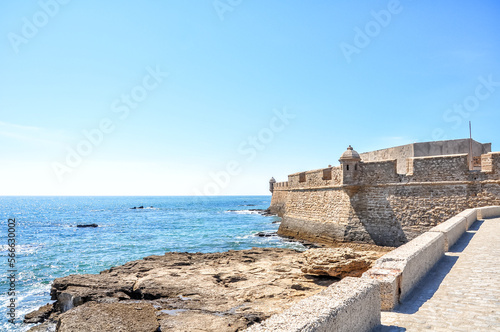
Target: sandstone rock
{"type": "Point", "coordinates": [225, 291]}
{"type": "Point", "coordinates": [338, 262]}
{"type": "Point", "coordinates": [39, 315]}
{"type": "Point", "coordinates": [47, 326]}
{"type": "Point", "coordinates": [97, 317]}
{"type": "Point", "coordinates": [231, 290]}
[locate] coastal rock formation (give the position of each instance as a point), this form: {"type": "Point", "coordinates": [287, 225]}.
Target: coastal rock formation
{"type": "Point", "coordinates": [225, 291]}
{"type": "Point", "coordinates": [97, 317]}
{"type": "Point", "coordinates": [338, 262]}
{"type": "Point", "coordinates": [39, 315]}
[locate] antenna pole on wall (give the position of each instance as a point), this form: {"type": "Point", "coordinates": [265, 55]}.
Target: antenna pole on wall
{"type": "Point", "coordinates": [471, 164]}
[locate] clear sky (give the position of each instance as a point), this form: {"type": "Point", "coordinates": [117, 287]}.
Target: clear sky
{"type": "Point", "coordinates": [215, 97]}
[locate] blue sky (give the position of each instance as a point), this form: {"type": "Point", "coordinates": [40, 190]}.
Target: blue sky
{"type": "Point", "coordinates": [215, 97]}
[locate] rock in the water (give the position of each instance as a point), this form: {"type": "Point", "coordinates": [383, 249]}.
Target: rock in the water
{"type": "Point", "coordinates": [87, 225]}
{"type": "Point", "coordinates": [267, 212]}
{"type": "Point", "coordinates": [338, 262]}
{"type": "Point", "coordinates": [97, 317]}
{"type": "Point", "coordinates": [266, 234]}
{"type": "Point", "coordinates": [39, 315]}
{"type": "Point", "coordinates": [262, 212]}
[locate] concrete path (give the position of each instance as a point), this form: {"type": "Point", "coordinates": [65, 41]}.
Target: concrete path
{"type": "Point", "coordinates": [461, 293]}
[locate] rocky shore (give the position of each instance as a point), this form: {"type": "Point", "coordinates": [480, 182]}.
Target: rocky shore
{"type": "Point", "coordinates": [226, 291]}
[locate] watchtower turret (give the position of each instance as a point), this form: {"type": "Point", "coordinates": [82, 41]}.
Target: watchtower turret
{"type": "Point", "coordinates": [349, 161]}
{"type": "Point", "coordinates": [271, 184]}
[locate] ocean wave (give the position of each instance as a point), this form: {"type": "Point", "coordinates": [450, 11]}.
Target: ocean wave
{"type": "Point", "coordinates": [244, 237]}
{"type": "Point", "coordinates": [23, 249]}
{"type": "Point", "coordinates": [243, 211]}
{"type": "Point", "coordinates": [28, 301]}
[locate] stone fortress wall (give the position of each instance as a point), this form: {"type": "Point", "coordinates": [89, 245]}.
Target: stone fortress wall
{"type": "Point", "coordinates": [374, 202]}
{"type": "Point", "coordinates": [426, 149]}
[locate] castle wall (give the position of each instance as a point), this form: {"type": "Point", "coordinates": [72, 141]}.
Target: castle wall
{"type": "Point", "coordinates": [490, 163]}
{"type": "Point", "coordinates": [318, 215]}
{"type": "Point", "coordinates": [378, 172]}
{"type": "Point", "coordinates": [426, 149]}
{"type": "Point", "coordinates": [279, 198]}
{"type": "Point", "coordinates": [399, 153]}
{"type": "Point", "coordinates": [442, 168]}
{"type": "Point", "coordinates": [376, 205]}
{"type": "Point", "coordinates": [458, 146]}
{"type": "Point", "coordinates": [321, 177]}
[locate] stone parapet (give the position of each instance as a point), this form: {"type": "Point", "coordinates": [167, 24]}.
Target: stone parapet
{"type": "Point", "coordinates": [439, 168]}
{"type": "Point", "coordinates": [470, 215]}
{"type": "Point", "coordinates": [281, 185]}
{"type": "Point", "coordinates": [331, 176]}
{"type": "Point", "coordinates": [352, 304]}
{"type": "Point", "coordinates": [414, 259]}
{"type": "Point", "coordinates": [488, 212]}
{"type": "Point", "coordinates": [490, 162]}
{"type": "Point", "coordinates": [399, 271]}
{"type": "Point", "coordinates": [452, 229]}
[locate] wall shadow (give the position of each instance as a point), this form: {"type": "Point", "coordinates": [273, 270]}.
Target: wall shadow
{"type": "Point", "coordinates": [387, 328]}
{"type": "Point", "coordinates": [385, 231]}
{"type": "Point", "coordinates": [476, 225]}
{"type": "Point", "coordinates": [464, 240]}
{"type": "Point", "coordinates": [428, 286]}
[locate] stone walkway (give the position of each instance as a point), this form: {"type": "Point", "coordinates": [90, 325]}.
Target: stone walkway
{"type": "Point", "coordinates": [461, 293]}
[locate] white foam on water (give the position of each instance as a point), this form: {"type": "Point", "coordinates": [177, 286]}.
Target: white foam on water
{"type": "Point", "coordinates": [242, 212]}
{"type": "Point", "coordinates": [23, 249]}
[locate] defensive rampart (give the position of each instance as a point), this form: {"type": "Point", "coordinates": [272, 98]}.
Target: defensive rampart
{"type": "Point", "coordinates": [425, 149]}
{"type": "Point", "coordinates": [371, 202]}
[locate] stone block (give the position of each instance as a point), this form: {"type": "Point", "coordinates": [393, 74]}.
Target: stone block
{"type": "Point", "coordinates": [488, 212]}
{"type": "Point", "coordinates": [470, 215]}
{"type": "Point", "coordinates": [414, 259]}
{"type": "Point", "coordinates": [390, 285]}
{"type": "Point", "coordinates": [452, 230]}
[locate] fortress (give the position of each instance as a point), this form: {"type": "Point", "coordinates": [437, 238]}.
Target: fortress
{"type": "Point", "coordinates": [387, 197]}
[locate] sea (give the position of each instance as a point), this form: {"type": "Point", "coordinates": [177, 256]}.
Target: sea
{"type": "Point", "coordinates": [48, 244]}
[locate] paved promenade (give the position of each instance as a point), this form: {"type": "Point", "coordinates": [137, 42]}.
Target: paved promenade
{"type": "Point", "coordinates": [461, 293]}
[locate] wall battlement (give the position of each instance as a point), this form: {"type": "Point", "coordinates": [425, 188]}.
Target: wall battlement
{"type": "Point", "coordinates": [374, 202]}
{"type": "Point", "coordinates": [419, 169]}
{"type": "Point", "coordinates": [425, 149]}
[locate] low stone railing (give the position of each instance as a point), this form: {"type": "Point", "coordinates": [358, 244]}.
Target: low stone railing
{"type": "Point", "coordinates": [354, 304]}
{"type": "Point", "coordinates": [399, 271]}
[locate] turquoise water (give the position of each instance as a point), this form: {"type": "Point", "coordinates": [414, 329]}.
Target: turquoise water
{"type": "Point", "coordinates": [48, 245]}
